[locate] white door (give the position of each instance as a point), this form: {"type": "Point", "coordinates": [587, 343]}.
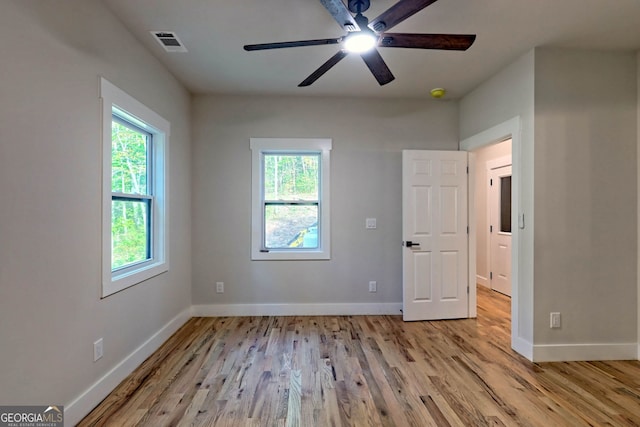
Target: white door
{"type": "Point", "coordinates": [435, 239]}
{"type": "Point", "coordinates": [500, 229]}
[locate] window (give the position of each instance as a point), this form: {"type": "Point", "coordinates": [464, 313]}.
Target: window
{"type": "Point", "coordinates": [134, 226]}
{"type": "Point", "coordinates": [290, 199]}
{"type": "Point", "coordinates": [131, 194]}
{"type": "Point", "coordinates": [505, 204]}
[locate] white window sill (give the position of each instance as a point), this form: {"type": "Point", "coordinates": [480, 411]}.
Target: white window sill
{"type": "Point", "coordinates": [290, 256]}
{"type": "Point", "coordinates": [123, 280]}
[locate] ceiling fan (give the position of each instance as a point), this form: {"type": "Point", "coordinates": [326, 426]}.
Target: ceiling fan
{"type": "Point", "coordinates": [363, 36]}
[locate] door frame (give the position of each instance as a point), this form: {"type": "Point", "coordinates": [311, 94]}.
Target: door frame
{"type": "Point", "coordinates": [501, 132]}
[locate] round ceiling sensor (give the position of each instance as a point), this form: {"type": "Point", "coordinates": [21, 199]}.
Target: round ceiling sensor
{"type": "Point", "coordinates": [438, 92]}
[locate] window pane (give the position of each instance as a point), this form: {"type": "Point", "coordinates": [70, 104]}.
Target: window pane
{"type": "Point", "coordinates": [505, 204]}
{"type": "Point", "coordinates": [129, 159]}
{"type": "Point", "coordinates": [130, 232]}
{"type": "Point", "coordinates": [291, 227]}
{"type": "Point", "coordinates": [291, 176]}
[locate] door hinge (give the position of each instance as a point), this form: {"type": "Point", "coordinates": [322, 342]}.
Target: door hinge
{"type": "Point", "coordinates": [467, 289]}
{"type": "Point", "coordinates": [491, 229]}
{"type": "Point", "coordinates": [491, 275]}
{"type": "Point", "coordinates": [467, 229]}
{"type": "Point", "coordinates": [491, 182]}
{"type": "Point", "coordinates": [467, 170]}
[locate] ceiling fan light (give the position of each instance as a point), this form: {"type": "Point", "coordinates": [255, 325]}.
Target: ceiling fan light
{"type": "Point", "coordinates": [360, 42]}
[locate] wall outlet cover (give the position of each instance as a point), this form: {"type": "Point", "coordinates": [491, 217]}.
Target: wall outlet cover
{"type": "Point", "coordinates": [555, 320]}
{"type": "Point", "coordinates": [98, 350]}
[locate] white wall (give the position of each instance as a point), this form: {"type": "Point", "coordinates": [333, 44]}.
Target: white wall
{"type": "Point", "coordinates": [586, 197]}
{"type": "Point", "coordinates": [482, 156]}
{"type": "Point", "coordinates": [510, 94]}
{"type": "Point", "coordinates": [50, 224]}
{"type": "Point", "coordinates": [368, 136]}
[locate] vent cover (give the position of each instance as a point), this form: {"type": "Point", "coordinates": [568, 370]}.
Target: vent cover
{"type": "Point", "coordinates": [169, 41]}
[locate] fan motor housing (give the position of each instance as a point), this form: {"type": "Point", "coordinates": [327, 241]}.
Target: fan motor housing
{"type": "Point", "coordinates": [358, 6]}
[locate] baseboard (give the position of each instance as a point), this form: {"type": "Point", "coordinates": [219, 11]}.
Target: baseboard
{"type": "Point", "coordinates": [481, 280]}
{"type": "Point", "coordinates": [578, 352]}
{"type": "Point", "coordinates": [90, 398]}
{"type": "Point", "coordinates": [523, 347]}
{"type": "Point", "coordinates": [220, 310]}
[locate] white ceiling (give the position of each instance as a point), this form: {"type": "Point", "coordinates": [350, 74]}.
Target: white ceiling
{"type": "Point", "coordinates": [214, 32]}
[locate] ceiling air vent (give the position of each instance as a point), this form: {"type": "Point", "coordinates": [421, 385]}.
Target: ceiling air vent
{"type": "Point", "coordinates": [169, 41]}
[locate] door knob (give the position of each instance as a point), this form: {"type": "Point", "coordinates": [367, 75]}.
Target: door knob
{"type": "Point", "coordinates": [410, 244]}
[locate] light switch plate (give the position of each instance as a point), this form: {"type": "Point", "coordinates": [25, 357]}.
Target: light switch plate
{"type": "Point", "coordinates": [370, 223]}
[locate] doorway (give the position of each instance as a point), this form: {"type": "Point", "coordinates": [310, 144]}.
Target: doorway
{"type": "Point", "coordinates": [499, 204]}
{"type": "Point", "coordinates": [492, 179]}
{"type": "Point", "coordinates": [521, 253]}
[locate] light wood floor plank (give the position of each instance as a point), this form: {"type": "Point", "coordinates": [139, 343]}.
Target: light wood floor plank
{"type": "Point", "coordinates": [365, 371]}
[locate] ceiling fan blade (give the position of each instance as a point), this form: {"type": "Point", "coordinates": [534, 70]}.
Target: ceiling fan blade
{"type": "Point", "coordinates": [341, 14]}
{"type": "Point", "coordinates": [280, 45]}
{"type": "Point", "coordinates": [398, 13]}
{"type": "Point", "coordinates": [427, 41]}
{"type": "Point", "coordinates": [377, 66]}
{"type": "Point", "coordinates": [324, 68]}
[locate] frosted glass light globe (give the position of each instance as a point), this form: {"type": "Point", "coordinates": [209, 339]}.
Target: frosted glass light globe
{"type": "Point", "coordinates": [360, 42]}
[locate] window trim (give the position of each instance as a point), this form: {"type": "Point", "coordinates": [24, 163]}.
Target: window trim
{"type": "Point", "coordinates": [117, 102]}
{"type": "Point", "coordinates": [260, 146]}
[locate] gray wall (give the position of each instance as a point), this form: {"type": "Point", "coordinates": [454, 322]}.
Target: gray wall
{"type": "Point", "coordinates": [50, 211]}
{"type": "Point", "coordinates": [585, 196]}
{"type": "Point", "coordinates": [368, 136]}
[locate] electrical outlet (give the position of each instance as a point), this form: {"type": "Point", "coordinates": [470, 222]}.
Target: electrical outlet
{"type": "Point", "coordinates": [219, 287]}
{"type": "Point", "coordinates": [555, 320]}
{"type": "Point", "coordinates": [98, 350]}
{"type": "Point", "coordinates": [373, 286]}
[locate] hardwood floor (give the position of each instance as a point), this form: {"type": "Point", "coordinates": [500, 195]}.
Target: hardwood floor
{"type": "Point", "coordinates": [366, 371]}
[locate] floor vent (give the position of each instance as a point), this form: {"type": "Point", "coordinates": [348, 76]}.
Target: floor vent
{"type": "Point", "coordinates": [169, 41]}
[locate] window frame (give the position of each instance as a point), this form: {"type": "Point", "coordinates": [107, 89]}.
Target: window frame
{"type": "Point", "coordinates": [116, 102]}
{"type": "Point", "coordinates": [288, 146]}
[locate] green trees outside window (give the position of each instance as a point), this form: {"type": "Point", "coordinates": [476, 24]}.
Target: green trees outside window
{"type": "Point", "coordinates": [131, 195]}
{"type": "Point", "coordinates": [291, 200]}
